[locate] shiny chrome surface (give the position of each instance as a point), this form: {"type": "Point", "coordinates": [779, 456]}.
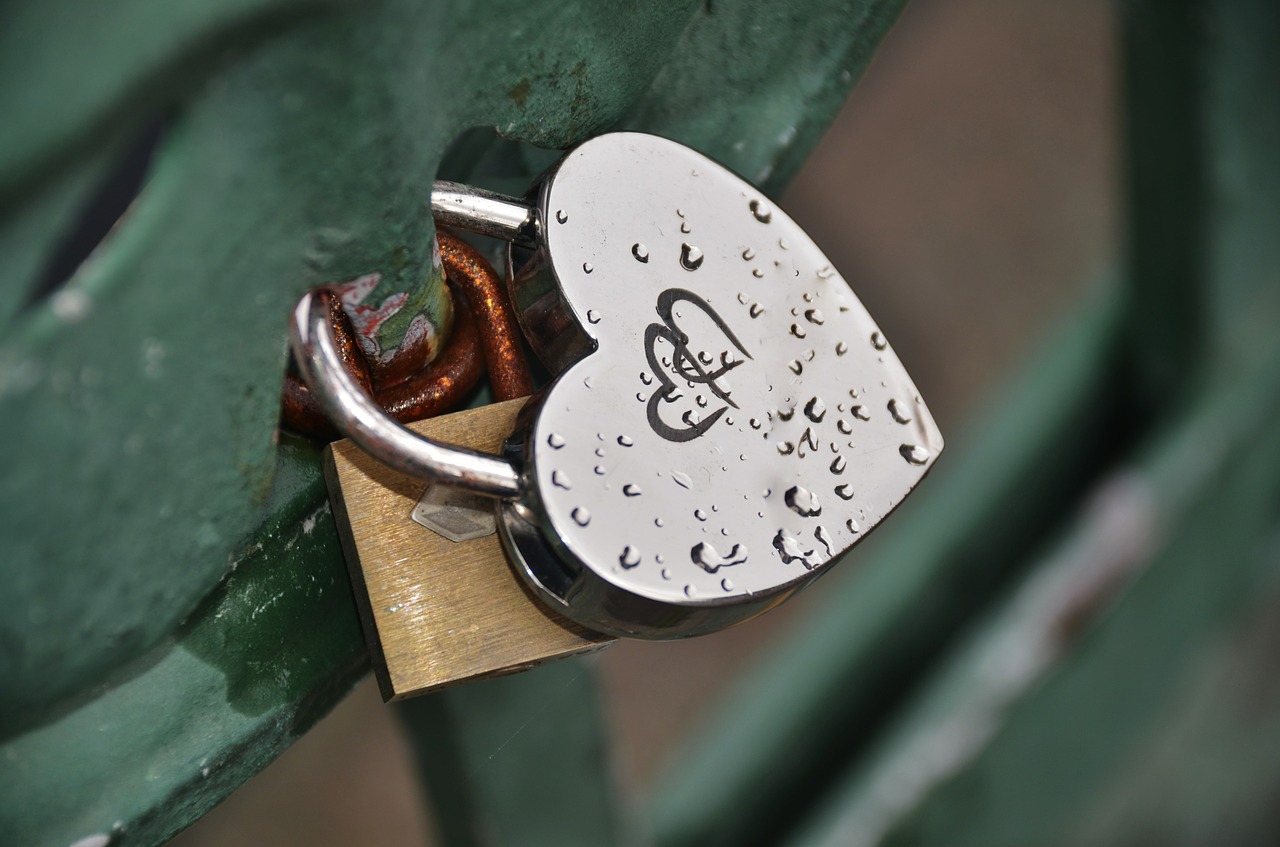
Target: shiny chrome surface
{"type": "Point", "coordinates": [483, 212]}
{"type": "Point", "coordinates": [359, 418]}
{"type": "Point", "coordinates": [738, 421]}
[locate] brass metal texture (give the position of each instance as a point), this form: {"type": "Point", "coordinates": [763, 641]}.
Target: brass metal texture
{"type": "Point", "coordinates": [436, 612]}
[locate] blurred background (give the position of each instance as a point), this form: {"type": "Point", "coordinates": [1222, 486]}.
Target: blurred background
{"type": "Point", "coordinates": [969, 191]}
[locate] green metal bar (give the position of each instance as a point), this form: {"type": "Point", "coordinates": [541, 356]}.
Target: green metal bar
{"type": "Point", "coordinates": [812, 704]}
{"type": "Point", "coordinates": [1163, 43]}
{"type": "Point", "coordinates": [518, 760]}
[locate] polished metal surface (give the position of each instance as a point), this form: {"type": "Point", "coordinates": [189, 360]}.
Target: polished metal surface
{"type": "Point", "coordinates": [483, 212]}
{"type": "Point", "coordinates": [739, 421]}
{"type": "Point", "coordinates": [359, 418]}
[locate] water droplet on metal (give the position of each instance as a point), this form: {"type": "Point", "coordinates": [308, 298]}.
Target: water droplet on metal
{"type": "Point", "coordinates": [580, 516]}
{"type": "Point", "coordinates": [658, 522]}
{"type": "Point", "coordinates": [797, 331]}
{"type": "Point", "coordinates": [852, 524]}
{"type": "Point", "coordinates": [762, 212]}
{"type": "Point", "coordinates": [756, 310]}
{"type": "Point", "coordinates": [841, 348]}
{"type": "Point", "coordinates": [560, 480]}
{"type": "Point", "coordinates": [685, 228]}
{"type": "Point", "coordinates": [748, 254]}
{"type": "Point", "coordinates": [802, 501]}
{"type": "Point", "coordinates": [845, 491]}
{"type": "Point", "coordinates": [743, 298]}
{"type": "Point", "coordinates": [814, 316]}
{"type": "Point", "coordinates": [682, 479]}
{"type": "Point", "coordinates": [690, 257]}
{"type": "Point", "coordinates": [782, 242]}
{"type": "Point", "coordinates": [586, 381]}
{"type": "Point", "coordinates": [797, 367]}
{"type": "Point", "coordinates": [640, 395]}
{"type": "Point", "coordinates": [844, 426]}
{"type": "Point", "coordinates": [630, 557]}
{"type": "Point", "coordinates": [786, 448]}
{"type": "Point", "coordinates": [860, 413]}
{"type": "Point", "coordinates": [631, 490]}
{"type": "Point", "coordinates": [815, 410]}
{"type": "Point", "coordinates": [555, 440]}
{"type": "Point", "coordinates": [646, 378]}
{"type": "Point", "coordinates": [599, 469]}
{"type": "Point", "coordinates": [562, 216]}
{"type": "Point", "coordinates": [786, 414]}
{"type": "Point", "coordinates": [711, 560]}
{"type": "Point", "coordinates": [878, 342]}
{"type": "Point", "coordinates": [826, 272]}
{"type": "Point", "coordinates": [757, 273]}
{"type": "Point", "coordinates": [896, 412]}
{"type": "Point", "coordinates": [824, 539]}
{"type": "Point", "coordinates": [699, 514]}
{"type": "Point", "coordinates": [726, 584]}
{"type": "Point", "coordinates": [625, 441]}
{"type": "Point", "coordinates": [640, 252]}
{"type": "Point", "coordinates": [838, 465]}
{"type": "Point", "coordinates": [600, 452]}
{"type": "Point", "coordinates": [791, 550]}
{"type": "Point", "coordinates": [587, 267]}
{"type": "Point", "coordinates": [913, 454]}
{"type": "Point", "coordinates": [701, 401]}
{"type": "Point", "coordinates": [593, 317]}
{"type": "Point", "coordinates": [666, 573]}
{"type": "Point", "coordinates": [755, 423]}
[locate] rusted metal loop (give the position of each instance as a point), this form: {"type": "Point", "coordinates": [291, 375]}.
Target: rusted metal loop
{"type": "Point", "coordinates": [441, 385]}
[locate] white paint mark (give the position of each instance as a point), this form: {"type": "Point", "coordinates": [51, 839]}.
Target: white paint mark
{"type": "Point", "coordinates": [70, 305]}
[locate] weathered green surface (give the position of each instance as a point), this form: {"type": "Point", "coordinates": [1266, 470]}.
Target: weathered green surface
{"type": "Point", "coordinates": [138, 406]}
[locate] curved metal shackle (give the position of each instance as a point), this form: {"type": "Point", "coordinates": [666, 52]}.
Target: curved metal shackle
{"type": "Point", "coordinates": [358, 417]}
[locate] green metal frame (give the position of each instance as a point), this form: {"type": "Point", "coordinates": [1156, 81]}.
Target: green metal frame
{"type": "Point", "coordinates": [176, 612]}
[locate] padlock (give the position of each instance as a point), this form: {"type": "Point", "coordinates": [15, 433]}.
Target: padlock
{"type": "Point", "coordinates": [726, 420]}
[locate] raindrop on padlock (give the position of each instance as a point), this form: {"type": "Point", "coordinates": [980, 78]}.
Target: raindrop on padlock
{"type": "Point", "coordinates": [555, 440]}
{"type": "Point", "coordinates": [631, 490]}
{"type": "Point", "coordinates": [845, 491]}
{"type": "Point", "coordinates": [562, 216]}
{"type": "Point", "coordinates": [913, 454]}
{"type": "Point", "coordinates": [640, 252]}
{"type": "Point", "coordinates": [762, 212]}
{"type": "Point", "coordinates": [815, 410]}
{"type": "Point", "coordinates": [560, 479]}
{"type": "Point", "coordinates": [690, 257]}
{"type": "Point", "coordinates": [630, 557]}
{"type": "Point", "coordinates": [878, 342]}
{"type": "Point", "coordinates": [814, 316]}
{"type": "Point", "coordinates": [580, 516]}
{"type": "Point", "coordinates": [896, 412]}
{"type": "Point", "coordinates": [802, 501]}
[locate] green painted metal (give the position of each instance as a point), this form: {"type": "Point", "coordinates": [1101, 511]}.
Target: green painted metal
{"type": "Point", "coordinates": [518, 760]}
{"type": "Point", "coordinates": [174, 595]}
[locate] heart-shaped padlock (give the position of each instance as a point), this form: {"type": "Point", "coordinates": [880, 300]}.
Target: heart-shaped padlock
{"type": "Point", "coordinates": [727, 419]}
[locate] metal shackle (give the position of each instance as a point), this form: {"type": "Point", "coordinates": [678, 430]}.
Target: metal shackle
{"type": "Point", "coordinates": [354, 413]}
